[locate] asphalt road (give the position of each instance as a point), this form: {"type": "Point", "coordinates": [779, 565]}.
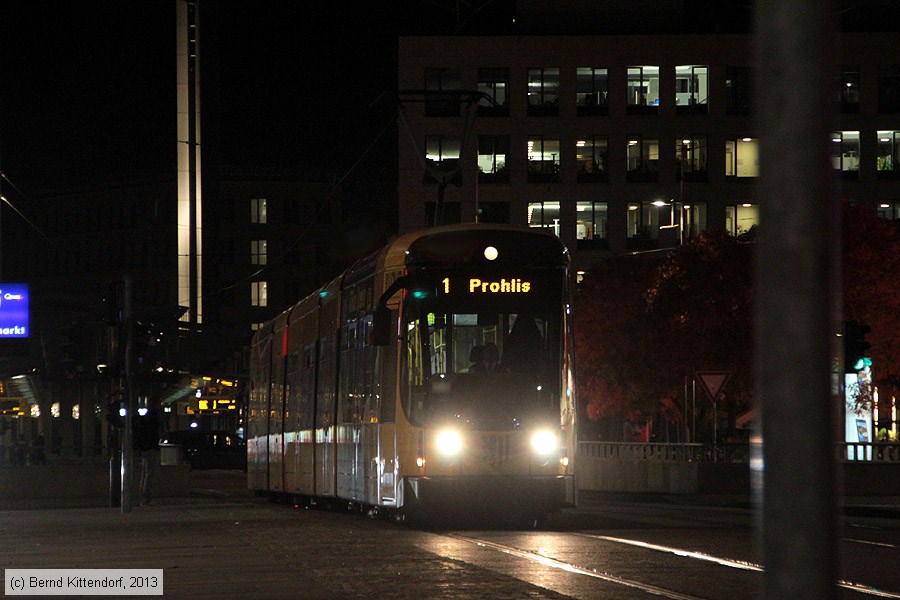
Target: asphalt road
{"type": "Point", "coordinates": [222, 542]}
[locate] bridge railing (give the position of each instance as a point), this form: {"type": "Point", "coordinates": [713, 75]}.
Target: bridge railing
{"type": "Point", "coordinates": [888, 452]}
{"type": "Point", "coordinates": [883, 452]}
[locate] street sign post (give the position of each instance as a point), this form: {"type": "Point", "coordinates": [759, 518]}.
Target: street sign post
{"type": "Point", "coordinates": [712, 383]}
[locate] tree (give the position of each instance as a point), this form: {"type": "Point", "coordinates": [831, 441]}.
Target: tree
{"type": "Point", "coordinates": [871, 288]}
{"type": "Point", "coordinates": [608, 336]}
{"type": "Point", "coordinates": [644, 323]}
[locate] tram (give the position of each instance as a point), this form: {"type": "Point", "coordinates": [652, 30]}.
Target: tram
{"type": "Point", "coordinates": [434, 377]}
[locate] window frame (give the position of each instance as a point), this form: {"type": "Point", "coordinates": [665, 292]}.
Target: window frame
{"type": "Point", "coordinates": [543, 89]}
{"type": "Point", "coordinates": [600, 93]}
{"type": "Point", "coordinates": [698, 79]}
{"type": "Point", "coordinates": [548, 170]}
{"type": "Point", "coordinates": [639, 103]}
{"type": "Point", "coordinates": [593, 241]}
{"type": "Point", "coordinates": [646, 167]}
{"type": "Point", "coordinates": [599, 159]}
{"type": "Point", "coordinates": [490, 81]}
{"type": "Point", "coordinates": [496, 143]}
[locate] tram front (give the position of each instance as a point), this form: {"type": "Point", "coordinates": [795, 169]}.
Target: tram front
{"type": "Point", "coordinates": [485, 379]}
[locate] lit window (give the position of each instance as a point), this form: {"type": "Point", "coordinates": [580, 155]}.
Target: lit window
{"type": "Point", "coordinates": [259, 293]}
{"type": "Point", "coordinates": [845, 153]}
{"type": "Point", "coordinates": [643, 90]}
{"type": "Point", "coordinates": [257, 252]}
{"type": "Point", "coordinates": [591, 224]}
{"type": "Point", "coordinates": [543, 159]}
{"type": "Point", "coordinates": [441, 158]}
{"type": "Point", "coordinates": [691, 90]}
{"type": "Point", "coordinates": [544, 215]}
{"type": "Point", "coordinates": [492, 152]}
{"type": "Point", "coordinates": [742, 157]}
{"type": "Point", "coordinates": [592, 154]}
{"type": "Point", "coordinates": [740, 218]}
{"type": "Point", "coordinates": [690, 153]}
{"type": "Point", "coordinates": [888, 154]}
{"type": "Point", "coordinates": [258, 210]}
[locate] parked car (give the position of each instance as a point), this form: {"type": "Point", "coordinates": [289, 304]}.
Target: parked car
{"type": "Point", "coordinates": [210, 449]}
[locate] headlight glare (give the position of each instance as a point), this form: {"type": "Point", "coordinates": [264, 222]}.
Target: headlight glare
{"type": "Point", "coordinates": [544, 442]}
{"type": "Point", "coordinates": [449, 442]}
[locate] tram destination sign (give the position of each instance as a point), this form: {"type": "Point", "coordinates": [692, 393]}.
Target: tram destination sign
{"type": "Point", "coordinates": [485, 286]}
{"type": "Point", "coordinates": [14, 310]}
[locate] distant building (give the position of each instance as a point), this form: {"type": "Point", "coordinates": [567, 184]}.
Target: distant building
{"type": "Point", "coordinates": [619, 143]}
{"type": "Point", "coordinates": [269, 240]}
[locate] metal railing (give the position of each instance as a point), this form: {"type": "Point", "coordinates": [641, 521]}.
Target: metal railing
{"type": "Point", "coordinates": [881, 452]}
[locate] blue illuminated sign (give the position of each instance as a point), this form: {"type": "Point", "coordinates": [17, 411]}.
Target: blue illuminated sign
{"type": "Point", "coordinates": [13, 310]}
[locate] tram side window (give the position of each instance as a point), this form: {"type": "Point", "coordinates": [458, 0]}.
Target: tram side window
{"type": "Point", "coordinates": [325, 405]}
{"type": "Point", "coordinates": [307, 385]}
{"type": "Point", "coordinates": [292, 392]}
{"type": "Point", "coordinates": [415, 368]}
{"type": "Point", "coordinates": [347, 394]}
{"type": "Point", "coordinates": [371, 396]}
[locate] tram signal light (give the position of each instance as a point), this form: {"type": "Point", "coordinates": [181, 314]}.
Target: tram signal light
{"type": "Point", "coordinates": [855, 346]}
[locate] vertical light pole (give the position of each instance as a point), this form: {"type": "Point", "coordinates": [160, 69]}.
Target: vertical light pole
{"type": "Point", "coordinates": [127, 450]}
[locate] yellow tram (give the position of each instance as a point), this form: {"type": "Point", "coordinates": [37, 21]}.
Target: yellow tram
{"type": "Point", "coordinates": [434, 377]}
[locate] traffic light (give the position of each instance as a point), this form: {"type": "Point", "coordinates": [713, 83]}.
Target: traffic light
{"type": "Point", "coordinates": [855, 345]}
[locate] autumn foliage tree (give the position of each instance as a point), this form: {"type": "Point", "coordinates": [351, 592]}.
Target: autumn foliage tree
{"type": "Point", "coordinates": [644, 322]}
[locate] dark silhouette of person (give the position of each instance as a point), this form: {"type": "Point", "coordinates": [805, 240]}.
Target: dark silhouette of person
{"type": "Point", "coordinates": [37, 450]}
{"type": "Point", "coordinates": [146, 442]}
{"type": "Point", "coordinates": [475, 355]}
{"type": "Point", "coordinates": [524, 347]}
{"type": "Point", "coordinates": [490, 359]}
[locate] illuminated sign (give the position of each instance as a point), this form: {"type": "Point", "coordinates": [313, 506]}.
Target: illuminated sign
{"type": "Point", "coordinates": [513, 285]}
{"type": "Point", "coordinates": [13, 310]}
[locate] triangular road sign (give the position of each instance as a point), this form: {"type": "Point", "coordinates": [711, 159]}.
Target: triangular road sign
{"type": "Point", "coordinates": [713, 382]}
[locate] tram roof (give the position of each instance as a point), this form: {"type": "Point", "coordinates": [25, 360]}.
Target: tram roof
{"type": "Point", "coordinates": [397, 252]}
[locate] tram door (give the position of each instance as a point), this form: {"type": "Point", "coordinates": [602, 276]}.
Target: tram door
{"type": "Point", "coordinates": [387, 431]}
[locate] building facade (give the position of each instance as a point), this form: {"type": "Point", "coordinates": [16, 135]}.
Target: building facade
{"type": "Point", "coordinates": [619, 143]}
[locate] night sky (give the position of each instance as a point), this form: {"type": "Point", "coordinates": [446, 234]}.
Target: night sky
{"type": "Point", "coordinates": [87, 89]}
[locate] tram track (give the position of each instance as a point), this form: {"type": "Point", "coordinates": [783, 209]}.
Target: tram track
{"type": "Point", "coordinates": [717, 584]}
{"type": "Point", "coordinates": [572, 568]}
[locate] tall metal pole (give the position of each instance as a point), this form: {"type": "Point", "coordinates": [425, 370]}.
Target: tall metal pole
{"type": "Point", "coordinates": [127, 450]}
{"type": "Point", "coordinates": [799, 243]}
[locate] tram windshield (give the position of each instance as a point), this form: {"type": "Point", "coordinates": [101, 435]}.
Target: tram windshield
{"type": "Point", "coordinates": [491, 362]}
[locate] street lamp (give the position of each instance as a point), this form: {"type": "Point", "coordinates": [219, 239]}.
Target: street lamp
{"type": "Point", "coordinates": [671, 204]}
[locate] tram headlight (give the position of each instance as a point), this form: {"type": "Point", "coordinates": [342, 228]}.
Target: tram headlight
{"type": "Point", "coordinates": [449, 442]}
{"type": "Point", "coordinates": [544, 442]}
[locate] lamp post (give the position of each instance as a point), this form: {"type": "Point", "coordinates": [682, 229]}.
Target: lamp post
{"type": "Point", "coordinates": [671, 203]}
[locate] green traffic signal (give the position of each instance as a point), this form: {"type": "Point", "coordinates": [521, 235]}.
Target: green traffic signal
{"type": "Point", "coordinates": [855, 346]}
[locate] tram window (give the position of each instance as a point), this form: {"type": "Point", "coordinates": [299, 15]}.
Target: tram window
{"type": "Point", "coordinates": [490, 319]}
